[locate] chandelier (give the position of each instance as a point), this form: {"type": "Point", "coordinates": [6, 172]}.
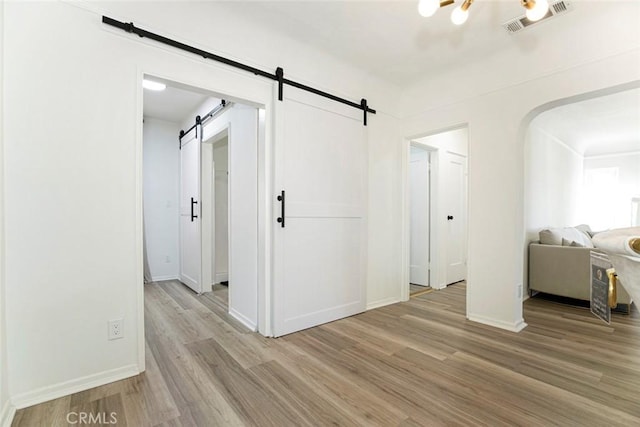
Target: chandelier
{"type": "Point", "coordinates": [535, 9]}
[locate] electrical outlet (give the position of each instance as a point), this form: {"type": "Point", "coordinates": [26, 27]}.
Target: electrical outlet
{"type": "Point", "coordinates": [116, 330]}
{"type": "Point", "coordinates": [519, 291]}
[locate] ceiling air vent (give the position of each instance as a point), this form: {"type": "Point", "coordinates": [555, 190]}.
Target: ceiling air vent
{"type": "Point", "coordinates": [518, 24]}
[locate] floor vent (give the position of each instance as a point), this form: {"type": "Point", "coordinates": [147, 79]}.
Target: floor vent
{"type": "Point", "coordinates": [518, 24]}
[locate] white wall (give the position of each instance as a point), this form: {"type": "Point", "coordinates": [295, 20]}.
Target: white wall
{"type": "Point", "coordinates": [385, 267]}
{"type": "Point", "coordinates": [553, 183]}
{"type": "Point", "coordinates": [496, 98]}
{"type": "Point", "coordinates": [72, 206]}
{"type": "Point", "coordinates": [240, 122]}
{"type": "Point", "coordinates": [616, 212]}
{"type": "Point", "coordinates": [453, 141]}
{"type": "Point", "coordinates": [221, 203]}
{"type": "Point", "coordinates": [161, 169]}
{"type": "Point", "coordinates": [5, 415]}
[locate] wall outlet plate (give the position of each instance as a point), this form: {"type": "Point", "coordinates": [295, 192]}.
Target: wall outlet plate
{"type": "Point", "coordinates": [116, 330]}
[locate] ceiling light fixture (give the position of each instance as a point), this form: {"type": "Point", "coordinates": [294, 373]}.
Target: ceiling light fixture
{"type": "Point", "coordinates": [461, 13]}
{"type": "Point", "coordinates": [536, 9]}
{"type": "Point", "coordinates": [151, 85]}
{"type": "Point", "coordinates": [427, 8]}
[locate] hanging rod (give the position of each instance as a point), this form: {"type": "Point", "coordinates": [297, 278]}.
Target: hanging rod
{"type": "Point", "coordinates": [223, 104]}
{"type": "Point", "coordinates": [277, 76]}
{"type": "Point", "coordinates": [200, 120]}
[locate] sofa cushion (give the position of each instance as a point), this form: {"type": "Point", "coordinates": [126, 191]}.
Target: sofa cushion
{"type": "Point", "coordinates": [554, 236]}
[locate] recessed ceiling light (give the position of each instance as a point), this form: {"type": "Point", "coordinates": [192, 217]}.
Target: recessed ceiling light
{"type": "Point", "coordinates": [151, 85]}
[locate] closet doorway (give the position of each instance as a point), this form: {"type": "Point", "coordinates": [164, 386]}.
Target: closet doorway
{"type": "Point", "coordinates": [215, 179]}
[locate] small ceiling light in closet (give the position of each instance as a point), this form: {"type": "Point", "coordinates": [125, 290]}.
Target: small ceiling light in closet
{"type": "Point", "coordinates": [151, 85]}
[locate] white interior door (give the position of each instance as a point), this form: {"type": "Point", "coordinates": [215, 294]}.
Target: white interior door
{"type": "Point", "coordinates": [320, 253]}
{"type": "Point", "coordinates": [455, 208]}
{"type": "Point", "coordinates": [190, 238]}
{"type": "Point", "coordinates": [419, 199]}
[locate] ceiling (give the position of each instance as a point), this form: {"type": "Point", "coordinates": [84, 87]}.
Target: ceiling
{"type": "Point", "coordinates": [605, 125]}
{"type": "Point", "coordinates": [172, 104]}
{"type": "Point", "coordinates": [391, 40]}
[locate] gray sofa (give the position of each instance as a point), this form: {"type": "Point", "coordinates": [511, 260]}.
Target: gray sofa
{"type": "Point", "coordinates": [560, 264]}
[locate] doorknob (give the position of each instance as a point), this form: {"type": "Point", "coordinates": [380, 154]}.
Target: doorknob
{"type": "Point", "coordinates": [193, 202]}
{"type": "Point", "coordinates": [281, 200]}
{"type": "Point", "coordinates": [449, 217]}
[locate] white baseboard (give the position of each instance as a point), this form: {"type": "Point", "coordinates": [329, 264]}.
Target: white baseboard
{"type": "Point", "coordinates": [244, 320]}
{"type": "Point", "coordinates": [222, 277]}
{"type": "Point", "coordinates": [513, 327]}
{"type": "Point", "coordinates": [66, 388]}
{"type": "Point", "coordinates": [162, 278]}
{"type": "Point", "coordinates": [6, 414]}
{"type": "Point", "coordinates": [382, 303]}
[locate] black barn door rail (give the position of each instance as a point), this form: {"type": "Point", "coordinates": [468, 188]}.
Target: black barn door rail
{"type": "Point", "coordinates": [201, 120]}
{"type": "Point", "coordinates": [277, 76]}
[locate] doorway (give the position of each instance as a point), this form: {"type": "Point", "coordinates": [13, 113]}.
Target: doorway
{"type": "Point", "coordinates": [211, 186]}
{"type": "Point", "coordinates": [436, 206]}
{"type": "Point", "coordinates": [220, 209]}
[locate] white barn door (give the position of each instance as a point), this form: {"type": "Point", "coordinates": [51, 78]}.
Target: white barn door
{"type": "Point", "coordinates": [320, 253]}
{"type": "Point", "coordinates": [190, 238]}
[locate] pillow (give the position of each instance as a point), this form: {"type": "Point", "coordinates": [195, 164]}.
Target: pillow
{"type": "Point", "coordinates": [571, 243]}
{"type": "Point", "coordinates": [550, 236]}
{"type": "Point", "coordinates": [554, 236]}
{"type": "Point", "coordinates": [585, 229]}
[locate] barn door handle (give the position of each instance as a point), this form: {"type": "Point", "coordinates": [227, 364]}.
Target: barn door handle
{"type": "Point", "coordinates": [449, 217]}
{"type": "Point", "coordinates": [281, 217]}
{"type": "Point", "coordinates": [193, 202]}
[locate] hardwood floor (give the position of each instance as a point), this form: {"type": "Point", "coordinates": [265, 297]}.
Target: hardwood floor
{"type": "Point", "coordinates": [418, 363]}
{"type": "Point", "coordinates": [415, 290]}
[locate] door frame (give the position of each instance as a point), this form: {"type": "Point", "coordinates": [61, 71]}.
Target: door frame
{"type": "Point", "coordinates": [221, 83]}
{"type": "Point", "coordinates": [435, 237]}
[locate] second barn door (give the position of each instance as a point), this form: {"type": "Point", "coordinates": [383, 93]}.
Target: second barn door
{"type": "Point", "coordinates": [320, 201]}
{"type": "Point", "coordinates": [190, 238]}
